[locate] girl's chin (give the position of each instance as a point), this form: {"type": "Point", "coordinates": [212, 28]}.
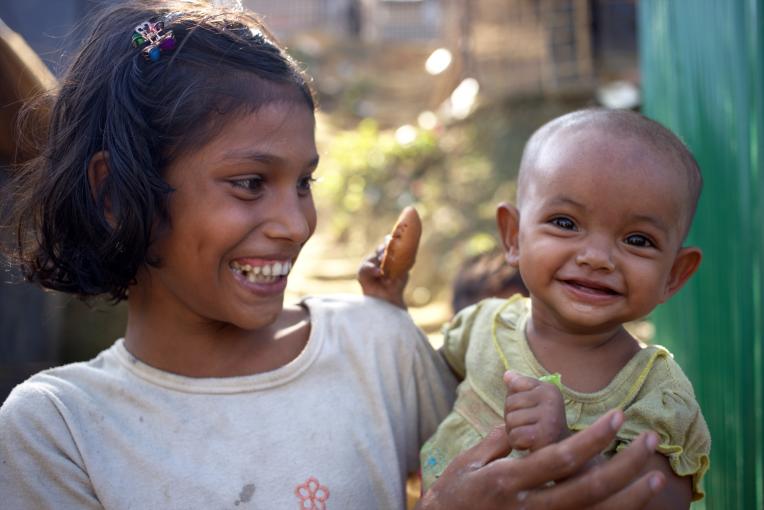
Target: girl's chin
{"type": "Point", "coordinates": [255, 318]}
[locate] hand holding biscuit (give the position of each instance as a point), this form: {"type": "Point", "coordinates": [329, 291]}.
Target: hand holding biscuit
{"type": "Point", "coordinates": [401, 247]}
{"type": "Point", "coordinates": [384, 274]}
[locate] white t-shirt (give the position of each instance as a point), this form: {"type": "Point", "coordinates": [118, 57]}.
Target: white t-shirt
{"type": "Point", "coordinates": [337, 428]}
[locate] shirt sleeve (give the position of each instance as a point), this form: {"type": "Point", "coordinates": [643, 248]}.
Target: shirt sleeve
{"type": "Point", "coordinates": [40, 465]}
{"type": "Point", "coordinates": [670, 410]}
{"type": "Point", "coordinates": [456, 339]}
{"type": "Point", "coordinates": [435, 388]}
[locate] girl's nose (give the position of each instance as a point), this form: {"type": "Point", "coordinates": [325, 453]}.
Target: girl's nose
{"type": "Point", "coordinates": [597, 255]}
{"type": "Point", "coordinates": [292, 218]}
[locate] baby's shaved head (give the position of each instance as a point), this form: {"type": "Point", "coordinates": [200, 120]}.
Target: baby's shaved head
{"type": "Point", "coordinates": [618, 125]}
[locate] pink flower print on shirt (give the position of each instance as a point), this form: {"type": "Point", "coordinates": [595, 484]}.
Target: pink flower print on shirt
{"type": "Point", "coordinates": [312, 495]}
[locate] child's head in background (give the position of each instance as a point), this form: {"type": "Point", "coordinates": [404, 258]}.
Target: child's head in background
{"type": "Point", "coordinates": [90, 206]}
{"type": "Point", "coordinates": [605, 200]}
{"type": "Point", "coordinates": [485, 275]}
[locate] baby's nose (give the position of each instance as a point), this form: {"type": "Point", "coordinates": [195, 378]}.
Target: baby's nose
{"type": "Point", "coordinates": [597, 255]}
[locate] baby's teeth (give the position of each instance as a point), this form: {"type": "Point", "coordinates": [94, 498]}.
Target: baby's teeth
{"type": "Point", "coordinates": [276, 269]}
{"type": "Point", "coordinates": [251, 277]}
{"type": "Point", "coordinates": [266, 270]}
{"type": "Point", "coordinates": [247, 267]}
{"type": "Point", "coordinates": [256, 270]}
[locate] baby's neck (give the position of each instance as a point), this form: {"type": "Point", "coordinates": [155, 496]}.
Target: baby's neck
{"type": "Point", "coordinates": [587, 362]}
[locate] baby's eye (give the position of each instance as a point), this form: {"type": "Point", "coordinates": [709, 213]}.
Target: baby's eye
{"type": "Point", "coordinates": [563, 223]}
{"type": "Point", "coordinates": [251, 184]}
{"type": "Point", "coordinates": [639, 241]}
{"type": "Point", "coordinates": [305, 184]}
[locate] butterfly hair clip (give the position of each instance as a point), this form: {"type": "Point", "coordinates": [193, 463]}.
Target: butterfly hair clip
{"type": "Point", "coordinates": [153, 40]}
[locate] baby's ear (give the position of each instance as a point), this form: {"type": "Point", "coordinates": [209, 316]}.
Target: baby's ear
{"type": "Point", "coordinates": [685, 265]}
{"type": "Point", "coordinates": [508, 220]}
{"type": "Point", "coordinates": [98, 171]}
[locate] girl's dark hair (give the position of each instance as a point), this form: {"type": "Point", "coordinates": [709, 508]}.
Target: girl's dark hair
{"type": "Point", "coordinates": [142, 114]}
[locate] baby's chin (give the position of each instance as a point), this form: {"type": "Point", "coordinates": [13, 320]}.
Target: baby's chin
{"type": "Point", "coordinates": [586, 321]}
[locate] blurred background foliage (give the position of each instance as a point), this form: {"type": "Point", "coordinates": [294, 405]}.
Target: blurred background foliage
{"type": "Point", "coordinates": [455, 175]}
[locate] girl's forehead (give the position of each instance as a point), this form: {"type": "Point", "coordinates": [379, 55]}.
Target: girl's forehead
{"type": "Point", "coordinates": [279, 133]}
{"type": "Point", "coordinates": [276, 124]}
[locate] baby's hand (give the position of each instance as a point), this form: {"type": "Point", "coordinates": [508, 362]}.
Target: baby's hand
{"type": "Point", "coordinates": [534, 413]}
{"type": "Point", "coordinates": [374, 283]}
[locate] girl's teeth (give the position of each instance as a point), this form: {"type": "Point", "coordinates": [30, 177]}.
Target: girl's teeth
{"type": "Point", "coordinates": [269, 271]}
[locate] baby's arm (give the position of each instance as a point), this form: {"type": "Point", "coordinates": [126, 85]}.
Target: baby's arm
{"type": "Point", "coordinates": [677, 493]}
{"type": "Point", "coordinates": [534, 413]}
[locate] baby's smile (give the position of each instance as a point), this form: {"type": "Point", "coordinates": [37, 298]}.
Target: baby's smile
{"type": "Point", "coordinates": [591, 287]}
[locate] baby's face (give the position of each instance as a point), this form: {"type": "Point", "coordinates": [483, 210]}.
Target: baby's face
{"type": "Point", "coordinates": [601, 223]}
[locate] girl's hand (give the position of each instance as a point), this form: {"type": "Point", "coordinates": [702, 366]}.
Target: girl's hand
{"type": "Point", "coordinates": [375, 284]}
{"type": "Point", "coordinates": [534, 413]}
{"type": "Point", "coordinates": [483, 477]}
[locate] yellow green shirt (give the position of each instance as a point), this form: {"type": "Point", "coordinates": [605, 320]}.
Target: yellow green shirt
{"type": "Point", "coordinates": [484, 339]}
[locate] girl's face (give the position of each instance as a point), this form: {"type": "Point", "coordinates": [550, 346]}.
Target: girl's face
{"type": "Point", "coordinates": [240, 213]}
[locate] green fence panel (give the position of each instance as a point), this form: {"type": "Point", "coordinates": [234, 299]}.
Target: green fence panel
{"type": "Point", "coordinates": [702, 76]}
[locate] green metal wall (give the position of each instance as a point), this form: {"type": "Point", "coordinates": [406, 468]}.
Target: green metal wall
{"type": "Point", "coordinates": [702, 76]}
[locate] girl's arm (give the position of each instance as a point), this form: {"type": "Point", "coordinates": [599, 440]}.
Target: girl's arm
{"type": "Point", "coordinates": [40, 464]}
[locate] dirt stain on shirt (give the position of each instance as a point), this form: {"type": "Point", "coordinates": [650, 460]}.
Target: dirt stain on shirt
{"type": "Point", "coordinates": [246, 494]}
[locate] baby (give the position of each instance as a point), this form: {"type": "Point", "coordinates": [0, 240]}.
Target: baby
{"type": "Point", "coordinates": [605, 200]}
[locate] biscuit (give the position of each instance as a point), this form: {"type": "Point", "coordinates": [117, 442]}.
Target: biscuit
{"type": "Point", "coordinates": [400, 250]}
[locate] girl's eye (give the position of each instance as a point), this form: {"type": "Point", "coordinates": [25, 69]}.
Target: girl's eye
{"type": "Point", "coordinates": [305, 184]}
{"type": "Point", "coordinates": [251, 184]}
{"type": "Point", "coordinates": [563, 223]}
{"type": "Point", "coordinates": [639, 241]}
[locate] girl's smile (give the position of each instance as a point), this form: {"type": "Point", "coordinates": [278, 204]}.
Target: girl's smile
{"type": "Point", "coordinates": [262, 276]}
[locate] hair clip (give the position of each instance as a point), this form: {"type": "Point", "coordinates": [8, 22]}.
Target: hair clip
{"type": "Point", "coordinates": [153, 39]}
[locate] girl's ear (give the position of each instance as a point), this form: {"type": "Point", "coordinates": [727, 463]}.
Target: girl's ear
{"type": "Point", "coordinates": [98, 170]}
{"type": "Point", "coordinates": [685, 265]}
{"type": "Point", "coordinates": [508, 220]}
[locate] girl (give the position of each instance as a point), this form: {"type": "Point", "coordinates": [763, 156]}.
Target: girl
{"type": "Point", "coordinates": [176, 175]}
